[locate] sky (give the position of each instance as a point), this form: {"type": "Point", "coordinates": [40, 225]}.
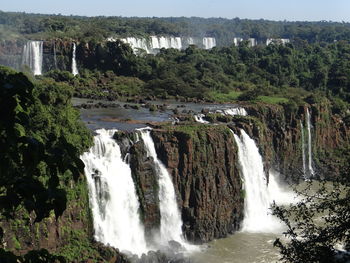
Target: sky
{"type": "Point", "coordinates": [292, 10]}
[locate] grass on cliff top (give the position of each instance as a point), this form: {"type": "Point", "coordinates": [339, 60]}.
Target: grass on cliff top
{"type": "Point", "coordinates": [224, 97]}
{"type": "Point", "coordinates": [272, 100]}
{"type": "Point", "coordinates": [232, 96]}
{"type": "Point", "coordinates": [194, 130]}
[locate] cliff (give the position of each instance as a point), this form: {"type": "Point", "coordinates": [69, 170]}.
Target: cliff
{"type": "Point", "coordinates": [202, 161]}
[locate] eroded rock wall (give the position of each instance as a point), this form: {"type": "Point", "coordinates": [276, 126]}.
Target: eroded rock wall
{"type": "Point", "coordinates": [203, 163]}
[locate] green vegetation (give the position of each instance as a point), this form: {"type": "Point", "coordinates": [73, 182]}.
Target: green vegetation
{"type": "Point", "coordinates": [224, 97]}
{"type": "Point", "coordinates": [41, 137]}
{"type": "Point", "coordinates": [37, 26]}
{"type": "Point", "coordinates": [318, 224]}
{"type": "Point", "coordinates": [291, 75]}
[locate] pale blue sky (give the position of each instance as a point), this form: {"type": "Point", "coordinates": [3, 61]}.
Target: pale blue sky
{"type": "Point", "coordinates": [311, 10]}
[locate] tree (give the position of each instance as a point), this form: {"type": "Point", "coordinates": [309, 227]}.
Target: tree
{"type": "Point", "coordinates": [41, 139]}
{"type": "Point", "coordinates": [320, 223]}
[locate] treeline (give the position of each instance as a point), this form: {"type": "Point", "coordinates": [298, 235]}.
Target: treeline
{"type": "Point", "coordinates": [276, 73]}
{"type": "Point", "coordinates": [38, 26]}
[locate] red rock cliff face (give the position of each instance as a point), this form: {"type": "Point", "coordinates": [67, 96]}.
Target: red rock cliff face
{"type": "Point", "coordinates": [202, 161]}
{"type": "Point", "coordinates": [280, 135]}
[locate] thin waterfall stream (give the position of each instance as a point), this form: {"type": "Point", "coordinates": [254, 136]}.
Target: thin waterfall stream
{"type": "Point", "coordinates": [171, 223]}
{"type": "Point", "coordinates": [74, 61]}
{"type": "Point", "coordinates": [308, 122]}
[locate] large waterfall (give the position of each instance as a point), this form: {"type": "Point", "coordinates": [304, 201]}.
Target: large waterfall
{"type": "Point", "coordinates": [309, 140]}
{"type": "Point", "coordinates": [113, 198]}
{"type": "Point", "coordinates": [74, 61]}
{"type": "Point", "coordinates": [171, 223]}
{"type": "Point", "coordinates": [33, 56]}
{"type": "Point", "coordinates": [258, 195]}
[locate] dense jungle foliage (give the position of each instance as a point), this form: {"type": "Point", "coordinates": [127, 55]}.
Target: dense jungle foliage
{"type": "Point", "coordinates": [37, 26]}
{"type": "Point", "coordinates": [41, 139]}
{"type": "Point", "coordinates": [273, 74]}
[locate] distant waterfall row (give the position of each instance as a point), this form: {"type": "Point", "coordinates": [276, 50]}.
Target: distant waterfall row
{"type": "Point", "coordinates": [114, 201]}
{"type": "Point", "coordinates": [32, 57]}
{"type": "Point", "coordinates": [155, 43]}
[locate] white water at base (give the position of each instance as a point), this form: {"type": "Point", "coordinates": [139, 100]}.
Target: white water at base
{"type": "Point", "coordinates": [171, 223]}
{"type": "Point", "coordinates": [258, 196]}
{"type": "Point", "coordinates": [74, 61]}
{"type": "Point", "coordinates": [309, 140]}
{"type": "Point", "coordinates": [281, 195]}
{"type": "Point", "coordinates": [33, 56]}
{"type": "Point", "coordinates": [113, 198]}
{"type": "Point", "coordinates": [303, 148]}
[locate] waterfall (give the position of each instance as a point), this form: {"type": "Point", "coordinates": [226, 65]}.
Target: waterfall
{"type": "Point", "coordinates": [309, 141]}
{"type": "Point", "coordinates": [171, 223]}
{"type": "Point", "coordinates": [258, 196]}
{"type": "Point", "coordinates": [33, 56]}
{"type": "Point", "coordinates": [199, 118]}
{"type": "Point", "coordinates": [303, 148]}
{"type": "Point", "coordinates": [252, 42]}
{"type": "Point", "coordinates": [113, 198]}
{"type": "Point", "coordinates": [138, 43]}
{"type": "Point", "coordinates": [209, 42]}
{"type": "Point", "coordinates": [234, 111]}
{"type": "Point", "coordinates": [237, 40]}
{"type": "Point", "coordinates": [74, 62]}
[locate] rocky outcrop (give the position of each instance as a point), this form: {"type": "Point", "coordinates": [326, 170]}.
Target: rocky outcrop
{"type": "Point", "coordinates": [11, 53]}
{"type": "Point", "coordinates": [202, 161]}
{"type": "Point", "coordinates": [57, 235]}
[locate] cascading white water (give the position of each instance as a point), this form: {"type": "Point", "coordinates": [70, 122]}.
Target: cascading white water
{"type": "Point", "coordinates": [209, 42]}
{"type": "Point", "coordinates": [199, 118]}
{"type": "Point", "coordinates": [309, 142]}
{"type": "Point", "coordinates": [237, 40]}
{"type": "Point", "coordinates": [74, 61]}
{"type": "Point", "coordinates": [154, 43]}
{"type": "Point", "coordinates": [113, 198]}
{"type": "Point", "coordinates": [303, 148]}
{"type": "Point", "coordinates": [252, 42]}
{"type": "Point", "coordinates": [171, 223]}
{"type": "Point", "coordinates": [281, 195]}
{"type": "Point", "coordinates": [235, 111]}
{"type": "Point", "coordinates": [138, 43]}
{"type": "Point", "coordinates": [258, 196]}
{"type": "Point", "coordinates": [33, 56]}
